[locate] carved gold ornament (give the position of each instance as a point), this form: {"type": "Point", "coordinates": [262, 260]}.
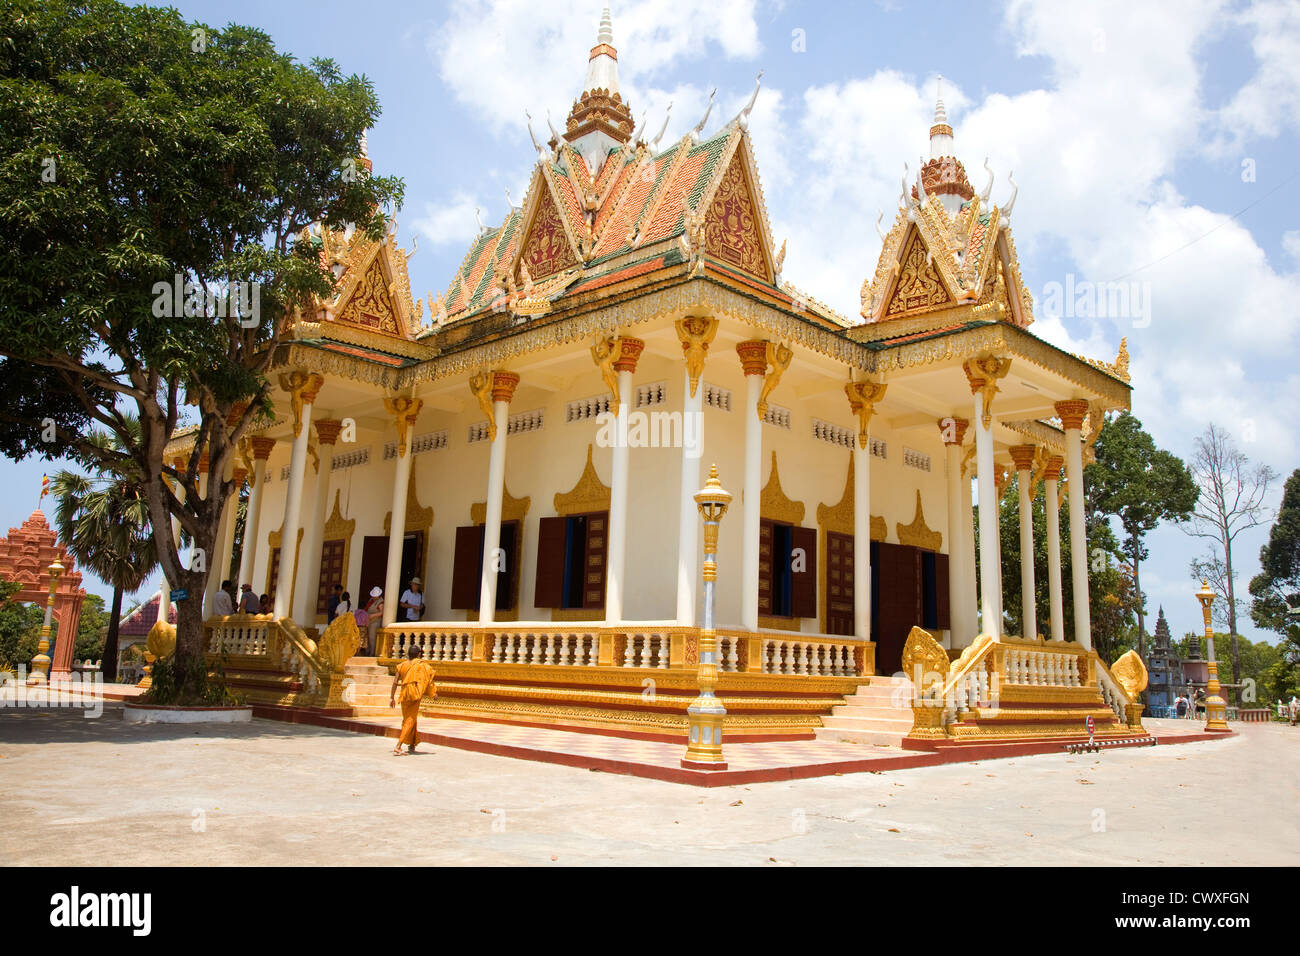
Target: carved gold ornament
{"type": "Point", "coordinates": [481, 385]}
{"type": "Point", "coordinates": [696, 332]}
{"type": "Point", "coordinates": [404, 411]}
{"type": "Point", "coordinates": [303, 387]}
{"type": "Point", "coordinates": [589, 494]}
{"type": "Point", "coordinates": [778, 358]}
{"type": "Point", "coordinates": [1130, 673]}
{"type": "Point", "coordinates": [339, 642]}
{"type": "Point", "coordinates": [917, 534]}
{"type": "Point", "coordinates": [862, 402]}
{"type": "Point", "coordinates": [604, 352]}
{"type": "Point", "coordinates": [983, 374]}
{"type": "Point", "coordinates": [774, 505]}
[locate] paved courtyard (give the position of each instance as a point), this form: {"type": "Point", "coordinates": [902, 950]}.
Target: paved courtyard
{"type": "Point", "coordinates": [92, 792]}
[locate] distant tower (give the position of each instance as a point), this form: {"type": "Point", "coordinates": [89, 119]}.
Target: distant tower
{"type": "Point", "coordinates": [1164, 669]}
{"type": "Point", "coordinates": [600, 121]}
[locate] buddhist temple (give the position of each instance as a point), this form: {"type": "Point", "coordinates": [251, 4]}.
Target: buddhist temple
{"type": "Point", "coordinates": [531, 445]}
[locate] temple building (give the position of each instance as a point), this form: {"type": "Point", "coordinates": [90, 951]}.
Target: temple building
{"type": "Point", "coordinates": [531, 450]}
{"type": "Point", "coordinates": [1164, 669]}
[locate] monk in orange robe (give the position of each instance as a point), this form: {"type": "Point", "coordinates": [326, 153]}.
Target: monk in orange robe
{"type": "Point", "coordinates": [414, 679]}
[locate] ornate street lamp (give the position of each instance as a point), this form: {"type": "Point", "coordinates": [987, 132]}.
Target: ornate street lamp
{"type": "Point", "coordinates": [41, 662]}
{"type": "Point", "coordinates": [706, 713]}
{"type": "Point", "coordinates": [1216, 711]}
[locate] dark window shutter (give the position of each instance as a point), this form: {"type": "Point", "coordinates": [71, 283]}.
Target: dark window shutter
{"type": "Point", "coordinates": [766, 578]}
{"type": "Point", "coordinates": [941, 588]}
{"type": "Point", "coordinates": [509, 545]}
{"type": "Point", "coordinates": [273, 571]}
{"type": "Point", "coordinates": [549, 591]}
{"type": "Point", "coordinates": [597, 545]}
{"type": "Point", "coordinates": [466, 568]}
{"type": "Point", "coordinates": [898, 602]}
{"type": "Point", "coordinates": [803, 589]}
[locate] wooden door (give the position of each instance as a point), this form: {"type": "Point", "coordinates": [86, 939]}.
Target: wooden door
{"type": "Point", "coordinates": [374, 567]}
{"type": "Point", "coordinates": [331, 573]}
{"type": "Point", "coordinates": [899, 603]}
{"type": "Point", "coordinates": [839, 583]}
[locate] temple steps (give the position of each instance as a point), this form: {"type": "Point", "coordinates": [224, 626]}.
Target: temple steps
{"type": "Point", "coordinates": [876, 714]}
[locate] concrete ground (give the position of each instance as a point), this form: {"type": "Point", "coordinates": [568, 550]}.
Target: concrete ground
{"type": "Point", "coordinates": [101, 792]}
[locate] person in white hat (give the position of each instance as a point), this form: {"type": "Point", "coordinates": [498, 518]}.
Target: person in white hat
{"type": "Point", "coordinates": [374, 614]}
{"type": "Point", "coordinates": [412, 602]}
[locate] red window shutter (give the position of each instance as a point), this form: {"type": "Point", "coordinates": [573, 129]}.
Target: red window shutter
{"type": "Point", "coordinates": [766, 581]}
{"type": "Point", "coordinates": [597, 546]}
{"type": "Point", "coordinates": [941, 587]}
{"type": "Point", "coordinates": [466, 568]}
{"type": "Point", "coordinates": [549, 591]}
{"type": "Point", "coordinates": [803, 583]}
{"type": "Point", "coordinates": [899, 602]}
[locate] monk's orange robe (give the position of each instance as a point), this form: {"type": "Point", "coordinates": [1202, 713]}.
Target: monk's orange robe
{"type": "Point", "coordinates": [414, 679]}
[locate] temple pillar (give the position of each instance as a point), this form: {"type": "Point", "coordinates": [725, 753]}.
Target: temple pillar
{"type": "Point", "coordinates": [404, 410]}
{"type": "Point", "coordinates": [308, 593]}
{"type": "Point", "coordinates": [1052, 506]}
{"type": "Point", "coordinates": [503, 385]}
{"type": "Point", "coordinates": [862, 397]}
{"type": "Point", "coordinates": [961, 613]}
{"type": "Point", "coordinates": [1072, 414]}
{"type": "Point", "coordinates": [627, 351]}
{"type": "Point", "coordinates": [262, 448]}
{"type": "Point", "coordinates": [983, 374]}
{"type": "Point", "coordinates": [303, 387]}
{"type": "Point", "coordinates": [753, 361]}
{"type": "Point", "coordinates": [695, 333]}
{"type": "Point", "coordinates": [1023, 456]}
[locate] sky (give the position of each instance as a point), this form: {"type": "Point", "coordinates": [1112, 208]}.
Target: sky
{"type": "Point", "coordinates": [1154, 146]}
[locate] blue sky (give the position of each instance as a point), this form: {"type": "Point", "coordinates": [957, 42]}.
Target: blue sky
{"type": "Point", "coordinates": [1152, 143]}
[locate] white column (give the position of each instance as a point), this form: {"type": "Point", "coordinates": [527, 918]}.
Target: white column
{"type": "Point", "coordinates": [314, 540]}
{"type": "Point", "coordinates": [219, 559]}
{"type": "Point", "coordinates": [961, 615]}
{"type": "Point", "coordinates": [253, 517]}
{"type": "Point", "coordinates": [970, 596]}
{"type": "Point", "coordinates": [688, 531]}
{"type": "Point", "coordinates": [1053, 507]}
{"type": "Point", "coordinates": [1072, 414]}
{"type": "Point", "coordinates": [629, 350]}
{"type": "Point", "coordinates": [293, 494]}
{"type": "Point", "coordinates": [503, 387]}
{"type": "Point", "coordinates": [1023, 456]}
{"type": "Point", "coordinates": [862, 398]}
{"type": "Point", "coordinates": [990, 572]}
{"type": "Point", "coordinates": [404, 410]}
{"type": "Point", "coordinates": [753, 360]}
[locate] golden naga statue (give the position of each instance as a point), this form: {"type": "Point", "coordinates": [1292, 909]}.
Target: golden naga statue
{"type": "Point", "coordinates": [161, 641]}
{"type": "Point", "coordinates": [925, 662]}
{"type": "Point", "coordinates": [1130, 673]}
{"type": "Point", "coordinates": [339, 642]}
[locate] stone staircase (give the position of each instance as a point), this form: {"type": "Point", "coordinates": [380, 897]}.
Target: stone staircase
{"type": "Point", "coordinates": [369, 691]}
{"type": "Point", "coordinates": [878, 713]}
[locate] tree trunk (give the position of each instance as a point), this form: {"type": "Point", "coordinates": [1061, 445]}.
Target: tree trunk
{"type": "Point", "coordinates": [1137, 586]}
{"type": "Point", "coordinates": [109, 655]}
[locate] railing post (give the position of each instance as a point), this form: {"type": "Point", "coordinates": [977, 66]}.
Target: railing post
{"type": "Point", "coordinates": [754, 655]}
{"type": "Point", "coordinates": [606, 656]}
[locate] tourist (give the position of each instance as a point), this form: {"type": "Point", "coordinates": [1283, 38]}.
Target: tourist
{"type": "Point", "coordinates": [413, 601]}
{"type": "Point", "coordinates": [1294, 709]}
{"type": "Point", "coordinates": [344, 606]}
{"type": "Point", "coordinates": [248, 603]}
{"type": "Point", "coordinates": [415, 677]}
{"type": "Point", "coordinates": [374, 611]}
{"type": "Point", "coordinates": [222, 605]}
{"type": "Point", "coordinates": [334, 602]}
{"type": "Point", "coordinates": [1180, 706]}
{"type": "Point", "coordinates": [265, 605]}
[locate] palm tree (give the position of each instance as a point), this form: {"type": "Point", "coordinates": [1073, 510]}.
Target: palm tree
{"type": "Point", "coordinates": [104, 522]}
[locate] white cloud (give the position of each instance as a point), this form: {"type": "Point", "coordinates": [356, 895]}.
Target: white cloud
{"type": "Point", "coordinates": [1271, 99]}
{"type": "Point", "coordinates": [453, 223]}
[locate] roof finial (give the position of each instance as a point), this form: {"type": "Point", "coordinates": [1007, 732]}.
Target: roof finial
{"type": "Point", "coordinates": [940, 130]}
{"type": "Point", "coordinates": [606, 34]}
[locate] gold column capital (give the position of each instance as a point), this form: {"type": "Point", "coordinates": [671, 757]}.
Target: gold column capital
{"type": "Point", "coordinates": [696, 333]}
{"type": "Point", "coordinates": [327, 430]}
{"type": "Point", "coordinates": [262, 447]}
{"type": "Point", "coordinates": [863, 397]}
{"type": "Point", "coordinates": [753, 356]}
{"type": "Point", "coordinates": [953, 429]}
{"type": "Point", "coordinates": [1072, 413]}
{"type": "Point", "coordinates": [303, 387]}
{"type": "Point", "coordinates": [1023, 456]}
{"type": "Point", "coordinates": [983, 374]}
{"type": "Point", "coordinates": [404, 411]}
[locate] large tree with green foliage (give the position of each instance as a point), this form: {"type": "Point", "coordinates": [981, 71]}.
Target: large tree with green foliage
{"type": "Point", "coordinates": [1275, 591]}
{"type": "Point", "coordinates": [1141, 485]}
{"type": "Point", "coordinates": [136, 148]}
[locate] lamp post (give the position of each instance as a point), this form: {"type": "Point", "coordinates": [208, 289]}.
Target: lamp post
{"type": "Point", "coordinates": [706, 713]}
{"type": "Point", "coordinates": [41, 662]}
{"type": "Point", "coordinates": [1216, 711]}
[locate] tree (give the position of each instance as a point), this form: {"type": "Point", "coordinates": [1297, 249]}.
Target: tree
{"type": "Point", "coordinates": [104, 522]}
{"type": "Point", "coordinates": [1142, 485]}
{"type": "Point", "coordinates": [20, 625]}
{"type": "Point", "coordinates": [92, 632]}
{"type": "Point", "coordinates": [141, 153]}
{"type": "Point", "coordinates": [1275, 591]}
{"type": "Point", "coordinates": [1232, 493]}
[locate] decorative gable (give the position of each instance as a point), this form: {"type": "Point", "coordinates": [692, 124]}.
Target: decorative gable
{"type": "Point", "coordinates": [919, 286]}
{"type": "Point", "coordinates": [547, 249]}
{"type": "Point", "coordinates": [370, 306]}
{"type": "Point", "coordinates": [731, 229]}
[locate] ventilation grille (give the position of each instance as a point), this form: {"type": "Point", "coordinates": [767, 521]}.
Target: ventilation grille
{"type": "Point", "coordinates": [430, 441]}
{"type": "Point", "coordinates": [915, 459]}
{"type": "Point", "coordinates": [778, 416]}
{"type": "Point", "coordinates": [715, 397]}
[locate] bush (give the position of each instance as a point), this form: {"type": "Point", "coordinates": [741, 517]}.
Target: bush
{"type": "Point", "coordinates": [192, 686]}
